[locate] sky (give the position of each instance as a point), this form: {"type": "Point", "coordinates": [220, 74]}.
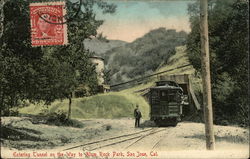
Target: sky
{"type": "Point", "coordinates": [134, 18]}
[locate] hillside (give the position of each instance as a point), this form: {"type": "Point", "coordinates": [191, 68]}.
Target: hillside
{"type": "Point", "coordinates": [144, 55]}
{"type": "Point", "coordinates": [121, 104]}
{"type": "Point", "coordinates": [180, 58]}
{"type": "Point", "coordinates": [102, 46]}
{"type": "Point", "coordinates": [118, 104]}
{"type": "Point", "coordinates": [109, 105]}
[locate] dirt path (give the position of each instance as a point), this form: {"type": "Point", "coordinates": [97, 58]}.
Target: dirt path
{"type": "Point", "coordinates": [186, 140]}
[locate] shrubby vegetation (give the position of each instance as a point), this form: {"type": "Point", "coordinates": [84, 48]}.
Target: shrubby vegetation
{"type": "Point", "coordinates": [144, 55]}
{"type": "Point", "coordinates": [228, 37]}
{"type": "Point", "coordinates": [60, 119]}
{"type": "Point", "coordinates": [44, 74]}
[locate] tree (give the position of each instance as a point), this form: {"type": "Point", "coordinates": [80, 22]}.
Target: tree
{"type": "Point", "coordinates": [45, 73]}
{"type": "Point", "coordinates": [228, 36]}
{"type": "Point", "coordinates": [1, 17]}
{"type": "Point", "coordinates": [148, 51]}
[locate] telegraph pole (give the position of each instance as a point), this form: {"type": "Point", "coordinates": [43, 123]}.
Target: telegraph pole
{"type": "Point", "coordinates": [206, 79]}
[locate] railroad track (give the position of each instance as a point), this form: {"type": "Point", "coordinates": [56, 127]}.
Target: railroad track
{"type": "Point", "coordinates": [144, 136]}
{"type": "Point", "coordinates": [95, 145]}
{"type": "Point", "coordinates": [157, 143]}
{"type": "Point", "coordinates": [167, 135]}
{"type": "Point", "coordinates": [150, 142]}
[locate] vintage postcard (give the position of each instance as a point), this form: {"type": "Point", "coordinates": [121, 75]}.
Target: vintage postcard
{"type": "Point", "coordinates": [124, 79]}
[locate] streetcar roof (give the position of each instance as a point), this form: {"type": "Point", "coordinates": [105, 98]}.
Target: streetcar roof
{"type": "Point", "coordinates": [166, 87]}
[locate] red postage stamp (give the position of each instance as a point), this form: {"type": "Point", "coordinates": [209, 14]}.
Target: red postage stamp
{"type": "Point", "coordinates": [47, 24]}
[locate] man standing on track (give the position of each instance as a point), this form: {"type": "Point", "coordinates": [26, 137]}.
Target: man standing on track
{"type": "Point", "coordinates": [137, 115]}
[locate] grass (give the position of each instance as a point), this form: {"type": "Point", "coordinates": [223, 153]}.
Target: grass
{"type": "Point", "coordinates": [21, 133]}
{"type": "Point", "coordinates": [109, 105]}
{"type": "Point", "coordinates": [180, 59]}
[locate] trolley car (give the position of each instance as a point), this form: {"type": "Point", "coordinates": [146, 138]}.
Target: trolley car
{"type": "Point", "coordinates": [166, 103]}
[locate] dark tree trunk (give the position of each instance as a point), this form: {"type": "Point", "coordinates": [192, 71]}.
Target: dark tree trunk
{"type": "Point", "coordinates": [2, 106]}
{"type": "Point", "coordinates": [70, 102]}
{"type": "Point", "coordinates": [2, 2]}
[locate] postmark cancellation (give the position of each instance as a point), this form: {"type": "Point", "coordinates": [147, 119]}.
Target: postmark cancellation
{"type": "Point", "coordinates": [47, 23]}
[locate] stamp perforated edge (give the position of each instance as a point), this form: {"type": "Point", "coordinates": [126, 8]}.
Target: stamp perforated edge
{"type": "Point", "coordinates": [65, 30]}
{"type": "Point", "coordinates": [47, 3]}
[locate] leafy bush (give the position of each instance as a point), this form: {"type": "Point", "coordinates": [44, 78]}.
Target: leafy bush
{"type": "Point", "coordinates": [10, 112]}
{"type": "Point", "coordinates": [60, 119]}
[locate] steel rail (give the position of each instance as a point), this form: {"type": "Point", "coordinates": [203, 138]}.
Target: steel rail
{"type": "Point", "coordinates": [157, 143]}
{"type": "Point", "coordinates": [114, 143]}
{"type": "Point", "coordinates": [141, 138]}
{"type": "Point", "coordinates": [90, 143]}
